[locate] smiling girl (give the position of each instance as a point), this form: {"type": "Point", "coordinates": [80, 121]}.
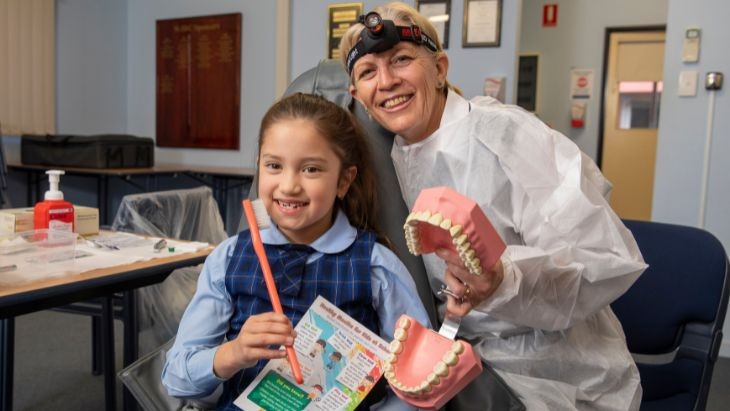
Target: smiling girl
{"type": "Point", "coordinates": [314, 178]}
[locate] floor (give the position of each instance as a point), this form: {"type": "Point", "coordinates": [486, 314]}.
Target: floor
{"type": "Point", "coordinates": [53, 366]}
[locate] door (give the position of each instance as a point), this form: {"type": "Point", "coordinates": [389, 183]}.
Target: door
{"type": "Point", "coordinates": [631, 116]}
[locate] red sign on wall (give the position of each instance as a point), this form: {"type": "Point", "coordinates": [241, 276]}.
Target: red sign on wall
{"type": "Point", "coordinates": [549, 15]}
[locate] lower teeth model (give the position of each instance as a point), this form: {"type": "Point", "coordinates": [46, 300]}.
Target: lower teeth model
{"type": "Point", "coordinates": [426, 369]}
{"type": "Point", "coordinates": [443, 218]}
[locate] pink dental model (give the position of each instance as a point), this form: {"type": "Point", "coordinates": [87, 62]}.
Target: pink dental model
{"type": "Point", "coordinates": [425, 368]}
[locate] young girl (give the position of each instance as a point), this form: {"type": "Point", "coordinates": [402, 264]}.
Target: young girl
{"type": "Point", "coordinates": [315, 181]}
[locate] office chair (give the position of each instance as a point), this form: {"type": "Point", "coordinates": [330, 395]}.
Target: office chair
{"type": "Point", "coordinates": [190, 214]}
{"type": "Point", "coordinates": [673, 315]}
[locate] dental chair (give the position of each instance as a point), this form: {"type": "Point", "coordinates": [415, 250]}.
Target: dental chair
{"type": "Point", "coordinates": [673, 315]}
{"type": "Point", "coordinates": [329, 79]}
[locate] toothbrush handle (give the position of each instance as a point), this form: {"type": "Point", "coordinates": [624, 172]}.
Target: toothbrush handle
{"type": "Point", "coordinates": [258, 247]}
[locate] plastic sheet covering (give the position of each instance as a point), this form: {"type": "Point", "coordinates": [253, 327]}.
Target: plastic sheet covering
{"type": "Point", "coordinates": [182, 214]}
{"type": "Point", "coordinates": [190, 214]}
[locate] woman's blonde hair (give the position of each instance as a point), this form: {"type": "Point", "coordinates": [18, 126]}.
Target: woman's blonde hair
{"type": "Point", "coordinates": [400, 13]}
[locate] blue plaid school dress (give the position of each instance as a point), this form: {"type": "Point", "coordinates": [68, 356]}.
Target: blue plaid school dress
{"type": "Point", "coordinates": [342, 278]}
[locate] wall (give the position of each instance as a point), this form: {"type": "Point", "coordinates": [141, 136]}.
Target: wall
{"type": "Point", "coordinates": [577, 42]}
{"type": "Point", "coordinates": [683, 127]}
{"type": "Point", "coordinates": [468, 66]}
{"type": "Point", "coordinates": [257, 76]}
{"type": "Point", "coordinates": [91, 85]}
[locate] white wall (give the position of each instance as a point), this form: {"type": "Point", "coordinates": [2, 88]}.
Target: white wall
{"type": "Point", "coordinates": [468, 66]}
{"type": "Point", "coordinates": [577, 42]}
{"type": "Point", "coordinates": [683, 127]}
{"type": "Point", "coordinates": [258, 57]}
{"type": "Point", "coordinates": [91, 66]}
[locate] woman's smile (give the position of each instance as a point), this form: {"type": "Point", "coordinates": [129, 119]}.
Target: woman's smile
{"type": "Point", "coordinates": [396, 102]}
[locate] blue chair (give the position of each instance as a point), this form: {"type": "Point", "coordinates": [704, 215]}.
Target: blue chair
{"type": "Point", "coordinates": [673, 314]}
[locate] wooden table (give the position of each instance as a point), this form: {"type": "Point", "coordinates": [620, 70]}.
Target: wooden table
{"type": "Point", "coordinates": [101, 283]}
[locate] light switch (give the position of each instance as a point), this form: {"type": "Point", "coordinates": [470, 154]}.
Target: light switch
{"type": "Point", "coordinates": [688, 83]}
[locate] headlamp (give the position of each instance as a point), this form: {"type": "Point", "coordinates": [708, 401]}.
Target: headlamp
{"type": "Point", "coordinates": [381, 35]}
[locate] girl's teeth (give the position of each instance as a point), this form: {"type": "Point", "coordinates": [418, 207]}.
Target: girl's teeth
{"type": "Point", "coordinates": [289, 205]}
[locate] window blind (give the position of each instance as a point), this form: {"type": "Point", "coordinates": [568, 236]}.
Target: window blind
{"type": "Point", "coordinates": [27, 66]}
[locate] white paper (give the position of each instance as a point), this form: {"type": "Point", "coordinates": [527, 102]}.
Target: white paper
{"type": "Point", "coordinates": [482, 22]}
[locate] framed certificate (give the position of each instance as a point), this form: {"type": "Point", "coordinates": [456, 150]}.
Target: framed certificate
{"type": "Point", "coordinates": [438, 13]}
{"type": "Point", "coordinates": [339, 18]}
{"type": "Point", "coordinates": [482, 23]}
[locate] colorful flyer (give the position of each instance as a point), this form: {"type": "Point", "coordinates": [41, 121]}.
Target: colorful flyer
{"type": "Point", "coordinates": [341, 360]}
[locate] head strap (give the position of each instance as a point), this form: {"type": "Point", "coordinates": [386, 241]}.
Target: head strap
{"type": "Point", "coordinates": [381, 35]}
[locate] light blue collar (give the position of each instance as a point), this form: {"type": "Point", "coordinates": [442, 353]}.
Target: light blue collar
{"type": "Point", "coordinates": [340, 236]}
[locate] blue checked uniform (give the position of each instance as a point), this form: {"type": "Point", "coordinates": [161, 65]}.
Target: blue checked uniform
{"type": "Point", "coordinates": [342, 278]}
{"type": "Point", "coordinates": [375, 291]}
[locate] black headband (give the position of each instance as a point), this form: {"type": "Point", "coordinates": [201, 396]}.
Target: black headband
{"type": "Point", "coordinates": [381, 35]}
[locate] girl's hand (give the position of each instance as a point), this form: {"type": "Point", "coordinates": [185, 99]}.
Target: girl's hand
{"type": "Point", "coordinates": [253, 343]}
{"type": "Point", "coordinates": [473, 289]}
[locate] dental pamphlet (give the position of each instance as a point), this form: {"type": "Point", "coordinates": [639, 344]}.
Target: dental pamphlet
{"type": "Point", "coordinates": [341, 360]}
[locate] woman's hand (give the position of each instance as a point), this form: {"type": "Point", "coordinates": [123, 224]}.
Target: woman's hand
{"type": "Point", "coordinates": [473, 289]}
{"type": "Point", "coordinates": [253, 343]}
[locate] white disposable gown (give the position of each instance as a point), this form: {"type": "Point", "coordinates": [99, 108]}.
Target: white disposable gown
{"type": "Point", "coordinates": [548, 329]}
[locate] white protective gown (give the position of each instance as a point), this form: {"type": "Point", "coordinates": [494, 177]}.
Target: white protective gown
{"type": "Point", "coordinates": [548, 330]}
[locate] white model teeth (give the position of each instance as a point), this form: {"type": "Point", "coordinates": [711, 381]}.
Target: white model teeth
{"type": "Point", "coordinates": [441, 369]}
{"type": "Point", "coordinates": [436, 220]}
{"type": "Point", "coordinates": [458, 237]}
{"type": "Point", "coordinates": [439, 373]}
{"type": "Point", "coordinates": [450, 358]}
{"type": "Point", "coordinates": [446, 224]}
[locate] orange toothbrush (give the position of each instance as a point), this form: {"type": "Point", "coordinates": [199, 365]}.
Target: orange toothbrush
{"type": "Point", "coordinates": [256, 216]}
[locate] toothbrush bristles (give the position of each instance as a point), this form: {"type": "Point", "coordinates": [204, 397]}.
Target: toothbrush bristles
{"type": "Point", "coordinates": [262, 216]}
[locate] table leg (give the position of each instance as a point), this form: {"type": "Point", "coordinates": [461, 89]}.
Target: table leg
{"type": "Point", "coordinates": [97, 365]}
{"type": "Point", "coordinates": [107, 332]}
{"type": "Point", "coordinates": [102, 199]}
{"type": "Point", "coordinates": [131, 343]}
{"type": "Point", "coordinates": [7, 354]}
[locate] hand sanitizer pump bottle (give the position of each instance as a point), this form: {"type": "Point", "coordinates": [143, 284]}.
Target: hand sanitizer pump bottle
{"type": "Point", "coordinates": [53, 212]}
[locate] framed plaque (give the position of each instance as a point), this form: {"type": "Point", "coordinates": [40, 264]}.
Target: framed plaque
{"type": "Point", "coordinates": [482, 23]}
{"type": "Point", "coordinates": [339, 18]}
{"type": "Point", "coordinates": [199, 82]}
{"type": "Point", "coordinates": [438, 13]}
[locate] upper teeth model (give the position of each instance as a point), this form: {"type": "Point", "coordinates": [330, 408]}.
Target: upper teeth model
{"type": "Point", "coordinates": [443, 218]}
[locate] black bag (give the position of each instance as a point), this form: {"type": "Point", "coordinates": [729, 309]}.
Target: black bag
{"type": "Point", "coordinates": [98, 151]}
